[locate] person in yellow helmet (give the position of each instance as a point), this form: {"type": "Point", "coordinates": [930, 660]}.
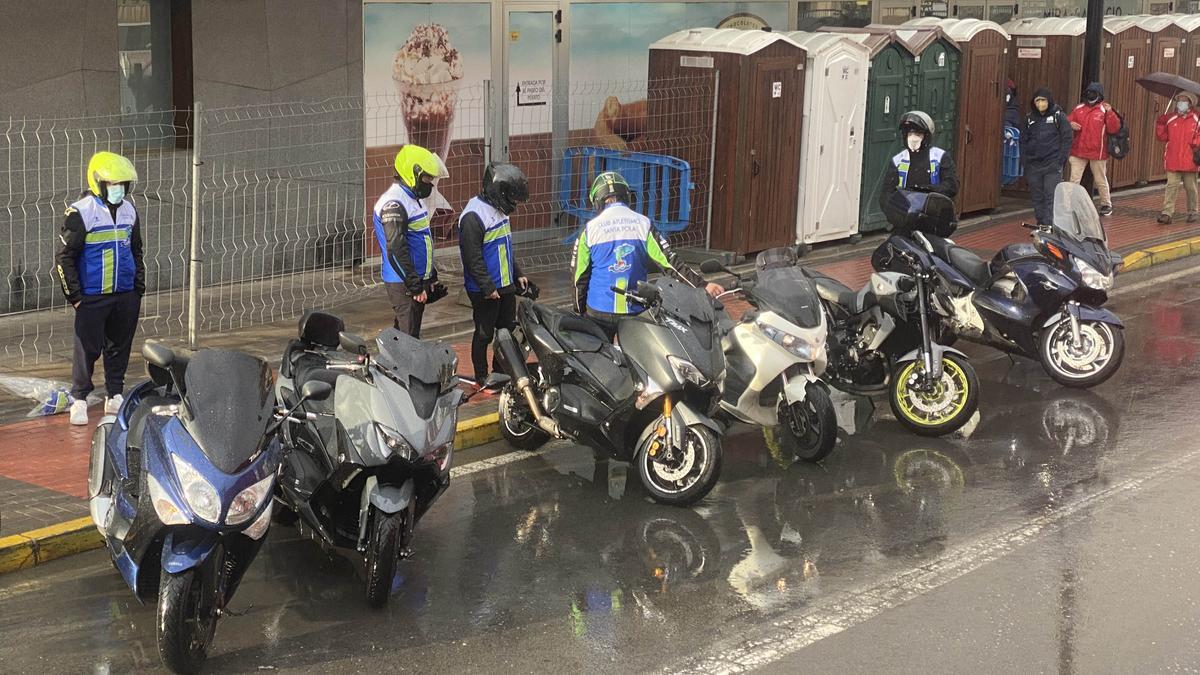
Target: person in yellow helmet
{"type": "Point", "coordinates": [402, 217]}
{"type": "Point", "coordinates": [99, 264]}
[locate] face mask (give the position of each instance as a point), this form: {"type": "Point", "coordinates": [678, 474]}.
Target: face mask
{"type": "Point", "coordinates": [1092, 98]}
{"type": "Point", "coordinates": [1182, 107]}
{"type": "Point", "coordinates": [423, 189]}
{"type": "Point", "coordinates": [116, 194]}
{"type": "Point", "coordinates": [914, 142]}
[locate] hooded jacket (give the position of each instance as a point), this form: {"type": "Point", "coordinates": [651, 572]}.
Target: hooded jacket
{"type": "Point", "coordinates": [1012, 110]}
{"type": "Point", "coordinates": [1046, 137]}
{"type": "Point", "coordinates": [1095, 121]}
{"type": "Point", "coordinates": [1181, 133]}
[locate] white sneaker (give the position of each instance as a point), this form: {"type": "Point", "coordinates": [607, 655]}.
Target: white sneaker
{"type": "Point", "coordinates": [113, 404]}
{"type": "Point", "coordinates": [79, 413]}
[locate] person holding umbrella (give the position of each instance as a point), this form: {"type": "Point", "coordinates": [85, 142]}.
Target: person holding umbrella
{"type": "Point", "coordinates": [1179, 128]}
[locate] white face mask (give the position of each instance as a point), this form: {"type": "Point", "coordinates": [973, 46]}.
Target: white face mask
{"type": "Point", "coordinates": [116, 194]}
{"type": "Point", "coordinates": [1182, 107]}
{"type": "Point", "coordinates": [914, 142]}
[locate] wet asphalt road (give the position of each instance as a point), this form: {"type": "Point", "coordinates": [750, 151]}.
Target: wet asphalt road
{"type": "Point", "coordinates": [1059, 537]}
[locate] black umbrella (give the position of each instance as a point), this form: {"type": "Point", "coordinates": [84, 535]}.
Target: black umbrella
{"type": "Point", "coordinates": [1168, 85]}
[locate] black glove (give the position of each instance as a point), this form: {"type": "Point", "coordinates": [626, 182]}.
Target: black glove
{"type": "Point", "coordinates": [530, 291]}
{"type": "Point", "coordinates": [435, 291]}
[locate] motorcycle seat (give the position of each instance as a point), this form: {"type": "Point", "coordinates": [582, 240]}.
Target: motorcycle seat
{"type": "Point", "coordinates": [577, 333]}
{"type": "Point", "coordinates": [832, 290]}
{"type": "Point", "coordinates": [962, 259]}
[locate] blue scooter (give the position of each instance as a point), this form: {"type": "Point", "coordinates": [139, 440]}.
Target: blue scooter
{"type": "Point", "coordinates": [180, 487]}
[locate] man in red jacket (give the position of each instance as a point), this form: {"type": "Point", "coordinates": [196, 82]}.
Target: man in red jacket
{"type": "Point", "coordinates": [1092, 120]}
{"type": "Point", "coordinates": [1178, 128]}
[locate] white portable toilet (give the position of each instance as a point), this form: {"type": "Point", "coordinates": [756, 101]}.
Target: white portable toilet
{"type": "Point", "coordinates": [831, 147]}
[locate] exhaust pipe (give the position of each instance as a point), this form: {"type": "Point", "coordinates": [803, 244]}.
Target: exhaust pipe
{"type": "Point", "coordinates": [512, 360]}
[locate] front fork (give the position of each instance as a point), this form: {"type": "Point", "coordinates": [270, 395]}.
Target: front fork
{"type": "Point", "coordinates": [661, 447]}
{"type": "Point", "coordinates": [933, 371]}
{"type": "Point", "coordinates": [1073, 313]}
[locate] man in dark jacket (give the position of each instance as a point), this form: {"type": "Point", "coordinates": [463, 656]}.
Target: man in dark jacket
{"type": "Point", "coordinates": [921, 166]}
{"type": "Point", "coordinates": [1012, 110]}
{"type": "Point", "coordinates": [1045, 147]}
{"type": "Point", "coordinates": [490, 272]}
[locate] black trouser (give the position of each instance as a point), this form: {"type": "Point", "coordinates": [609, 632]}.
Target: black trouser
{"type": "Point", "coordinates": [104, 324]}
{"type": "Point", "coordinates": [408, 312]}
{"type": "Point", "coordinates": [489, 315]}
{"type": "Point", "coordinates": [607, 321]}
{"type": "Point", "coordinates": [1042, 178]}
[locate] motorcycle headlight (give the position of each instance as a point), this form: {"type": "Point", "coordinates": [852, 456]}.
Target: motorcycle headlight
{"type": "Point", "coordinates": [201, 496]}
{"type": "Point", "coordinates": [1092, 278]}
{"type": "Point", "coordinates": [393, 441]}
{"type": "Point", "coordinates": [795, 344]}
{"type": "Point", "coordinates": [686, 371]}
{"type": "Point", "coordinates": [168, 512]}
{"type": "Point", "coordinates": [247, 502]}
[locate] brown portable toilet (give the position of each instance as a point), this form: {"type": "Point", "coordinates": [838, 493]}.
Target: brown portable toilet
{"type": "Point", "coordinates": [983, 71]}
{"type": "Point", "coordinates": [1046, 53]}
{"type": "Point", "coordinates": [1127, 56]}
{"type": "Point", "coordinates": [756, 175]}
{"type": "Point", "coordinates": [1166, 56]}
{"type": "Point", "coordinates": [1189, 62]}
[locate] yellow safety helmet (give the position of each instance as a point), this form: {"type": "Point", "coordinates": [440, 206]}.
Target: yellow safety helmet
{"type": "Point", "coordinates": [109, 167]}
{"type": "Point", "coordinates": [413, 162]}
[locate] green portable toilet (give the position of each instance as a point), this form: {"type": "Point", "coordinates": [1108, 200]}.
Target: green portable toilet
{"type": "Point", "coordinates": [937, 59]}
{"type": "Point", "coordinates": [891, 90]}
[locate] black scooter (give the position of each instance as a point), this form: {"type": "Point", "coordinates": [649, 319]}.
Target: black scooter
{"type": "Point", "coordinates": [1041, 300]}
{"type": "Point", "coordinates": [648, 401]}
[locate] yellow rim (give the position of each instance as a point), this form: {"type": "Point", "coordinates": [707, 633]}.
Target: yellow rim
{"type": "Point", "coordinates": [954, 407]}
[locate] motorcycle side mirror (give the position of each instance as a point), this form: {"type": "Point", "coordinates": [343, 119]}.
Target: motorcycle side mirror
{"type": "Point", "coordinates": [349, 342]}
{"type": "Point", "coordinates": [315, 390]}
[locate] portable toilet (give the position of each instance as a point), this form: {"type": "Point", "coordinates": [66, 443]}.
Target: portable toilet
{"type": "Point", "coordinates": [1166, 55]}
{"type": "Point", "coordinates": [1047, 53]}
{"type": "Point", "coordinates": [891, 91]}
{"type": "Point", "coordinates": [1189, 62]}
{"type": "Point", "coordinates": [1127, 56]}
{"type": "Point", "coordinates": [760, 92]}
{"type": "Point", "coordinates": [831, 146]}
{"type": "Point", "coordinates": [982, 74]}
{"type": "Point", "coordinates": [937, 60]}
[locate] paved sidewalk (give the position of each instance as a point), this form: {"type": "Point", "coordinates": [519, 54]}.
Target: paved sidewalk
{"type": "Point", "coordinates": [43, 462]}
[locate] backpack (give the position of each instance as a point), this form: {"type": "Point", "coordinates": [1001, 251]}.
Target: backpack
{"type": "Point", "coordinates": [1118, 143]}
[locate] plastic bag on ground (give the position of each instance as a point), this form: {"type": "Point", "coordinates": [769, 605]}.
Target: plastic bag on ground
{"type": "Point", "coordinates": [52, 396]}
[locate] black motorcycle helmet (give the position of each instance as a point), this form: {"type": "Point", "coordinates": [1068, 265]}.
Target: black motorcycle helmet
{"type": "Point", "coordinates": [608, 184]}
{"type": "Point", "coordinates": [915, 120]}
{"type": "Point", "coordinates": [505, 186]}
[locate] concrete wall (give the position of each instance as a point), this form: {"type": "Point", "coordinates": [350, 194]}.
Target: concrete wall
{"type": "Point", "coordinates": [273, 51]}
{"type": "Point", "coordinates": [59, 59]}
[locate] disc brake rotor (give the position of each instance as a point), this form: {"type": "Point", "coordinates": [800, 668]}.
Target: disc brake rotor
{"type": "Point", "coordinates": [677, 470]}
{"type": "Point", "coordinates": [932, 399]}
{"type": "Point", "coordinates": [1091, 348]}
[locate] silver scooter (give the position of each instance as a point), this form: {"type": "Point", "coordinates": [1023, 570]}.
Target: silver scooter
{"type": "Point", "coordinates": [775, 356]}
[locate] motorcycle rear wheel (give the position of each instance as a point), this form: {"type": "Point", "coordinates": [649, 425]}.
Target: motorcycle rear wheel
{"type": "Point", "coordinates": [699, 466]}
{"type": "Point", "coordinates": [517, 424]}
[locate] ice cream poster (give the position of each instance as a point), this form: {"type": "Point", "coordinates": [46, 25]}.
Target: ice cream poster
{"type": "Point", "coordinates": [424, 68]}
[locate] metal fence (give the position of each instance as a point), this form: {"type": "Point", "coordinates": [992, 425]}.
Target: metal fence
{"type": "Point", "coordinates": [281, 195]}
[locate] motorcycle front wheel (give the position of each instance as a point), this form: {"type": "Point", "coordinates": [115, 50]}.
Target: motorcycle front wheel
{"type": "Point", "coordinates": [187, 614]}
{"type": "Point", "coordinates": [383, 549]}
{"type": "Point", "coordinates": [1096, 358]}
{"type": "Point", "coordinates": [516, 422]}
{"type": "Point", "coordinates": [809, 427]}
{"type": "Point", "coordinates": [934, 408]}
{"type": "Point", "coordinates": [687, 474]}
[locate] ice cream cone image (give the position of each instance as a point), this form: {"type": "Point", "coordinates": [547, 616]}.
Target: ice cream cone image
{"type": "Point", "coordinates": [427, 70]}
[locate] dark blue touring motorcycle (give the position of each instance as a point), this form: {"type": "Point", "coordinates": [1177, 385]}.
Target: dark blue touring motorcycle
{"type": "Point", "coordinates": [180, 487]}
{"type": "Point", "coordinates": [1042, 300]}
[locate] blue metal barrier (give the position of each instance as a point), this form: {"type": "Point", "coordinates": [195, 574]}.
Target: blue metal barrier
{"type": "Point", "coordinates": [1012, 169]}
{"type": "Point", "coordinates": [661, 185]}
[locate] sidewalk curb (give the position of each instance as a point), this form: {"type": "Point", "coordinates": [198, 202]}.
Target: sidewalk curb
{"type": "Point", "coordinates": [1161, 254]}
{"type": "Point", "coordinates": [35, 547]}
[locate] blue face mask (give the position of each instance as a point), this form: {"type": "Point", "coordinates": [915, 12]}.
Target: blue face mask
{"type": "Point", "coordinates": [116, 194]}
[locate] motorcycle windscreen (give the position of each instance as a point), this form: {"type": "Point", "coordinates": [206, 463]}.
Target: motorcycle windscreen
{"type": "Point", "coordinates": [231, 401]}
{"type": "Point", "coordinates": [783, 288]}
{"type": "Point", "coordinates": [694, 308]}
{"type": "Point", "coordinates": [425, 369]}
{"type": "Point", "coordinates": [929, 212]}
{"type": "Point", "coordinates": [1076, 218]}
